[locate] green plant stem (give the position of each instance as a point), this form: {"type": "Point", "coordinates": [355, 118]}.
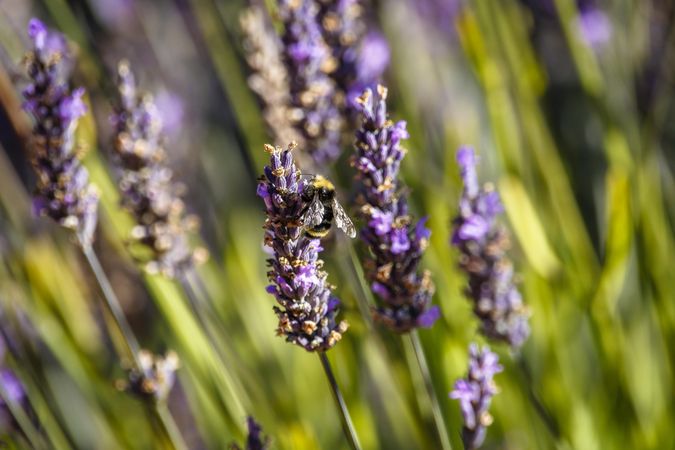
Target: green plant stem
{"type": "Point", "coordinates": [431, 392]}
{"type": "Point", "coordinates": [113, 305]}
{"type": "Point", "coordinates": [347, 425]}
{"type": "Point", "coordinates": [200, 303]}
{"type": "Point", "coordinates": [164, 419]}
{"type": "Point", "coordinates": [169, 427]}
{"type": "Point", "coordinates": [545, 416]}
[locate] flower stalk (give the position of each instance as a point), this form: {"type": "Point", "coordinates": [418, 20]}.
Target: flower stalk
{"type": "Point", "coordinates": [475, 393]}
{"type": "Point", "coordinates": [483, 245]}
{"type": "Point", "coordinates": [396, 245]}
{"type": "Point", "coordinates": [63, 191]}
{"type": "Point", "coordinates": [307, 309]}
{"type": "Point", "coordinates": [345, 418]}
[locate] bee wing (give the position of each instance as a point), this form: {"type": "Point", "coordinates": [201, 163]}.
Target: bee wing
{"type": "Point", "coordinates": [342, 220]}
{"type": "Point", "coordinates": [313, 215]}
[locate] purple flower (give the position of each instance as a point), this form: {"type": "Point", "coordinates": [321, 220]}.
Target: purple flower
{"type": "Point", "coordinates": [255, 440]}
{"type": "Point", "coordinates": [374, 56]}
{"type": "Point", "coordinates": [395, 243]}
{"type": "Point", "coordinates": [595, 27]}
{"type": "Point", "coordinates": [14, 391]}
{"type": "Point", "coordinates": [63, 191]}
{"type": "Point", "coordinates": [483, 245]}
{"type": "Point", "coordinates": [440, 14]}
{"type": "Point", "coordinates": [308, 62]}
{"type": "Point", "coordinates": [306, 308]}
{"type": "Point", "coordinates": [475, 393]}
{"type": "Point", "coordinates": [148, 189]}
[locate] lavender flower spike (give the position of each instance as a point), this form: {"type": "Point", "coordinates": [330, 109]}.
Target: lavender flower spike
{"type": "Point", "coordinates": [483, 245]}
{"type": "Point", "coordinates": [63, 191]}
{"type": "Point", "coordinates": [255, 440]}
{"type": "Point", "coordinates": [307, 309]}
{"type": "Point", "coordinates": [395, 243]}
{"type": "Point", "coordinates": [475, 393]}
{"type": "Point", "coordinates": [308, 62]}
{"type": "Point", "coordinates": [148, 189]}
{"type": "Point", "coordinates": [362, 55]}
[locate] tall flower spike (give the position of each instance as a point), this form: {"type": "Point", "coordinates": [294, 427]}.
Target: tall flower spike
{"type": "Point", "coordinates": [63, 191]}
{"type": "Point", "coordinates": [308, 62]}
{"type": "Point", "coordinates": [307, 309]}
{"type": "Point", "coordinates": [361, 57]}
{"type": "Point", "coordinates": [148, 189]}
{"type": "Point", "coordinates": [269, 78]}
{"type": "Point", "coordinates": [255, 440]}
{"type": "Point", "coordinates": [475, 393]}
{"type": "Point", "coordinates": [395, 243]}
{"type": "Point", "coordinates": [483, 245]}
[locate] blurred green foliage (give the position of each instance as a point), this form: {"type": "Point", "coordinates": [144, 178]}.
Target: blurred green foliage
{"type": "Point", "coordinates": [586, 177]}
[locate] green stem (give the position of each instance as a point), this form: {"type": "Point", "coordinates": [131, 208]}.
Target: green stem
{"type": "Point", "coordinates": [169, 427]}
{"type": "Point", "coordinates": [113, 305]}
{"type": "Point", "coordinates": [162, 415]}
{"type": "Point", "coordinates": [545, 416]}
{"type": "Point", "coordinates": [431, 392]}
{"type": "Point", "coordinates": [347, 425]}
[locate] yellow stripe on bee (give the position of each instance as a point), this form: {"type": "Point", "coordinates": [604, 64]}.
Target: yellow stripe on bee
{"type": "Point", "coordinates": [316, 233]}
{"type": "Point", "coordinates": [322, 182]}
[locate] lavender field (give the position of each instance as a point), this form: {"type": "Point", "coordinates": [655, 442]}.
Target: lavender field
{"type": "Point", "coordinates": [337, 224]}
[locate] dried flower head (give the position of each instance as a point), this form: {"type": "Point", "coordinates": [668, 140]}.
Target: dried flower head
{"type": "Point", "coordinates": [148, 189]}
{"type": "Point", "coordinates": [483, 245]}
{"type": "Point", "coordinates": [154, 378]}
{"type": "Point", "coordinates": [269, 78]}
{"type": "Point", "coordinates": [63, 191]}
{"type": "Point", "coordinates": [307, 308]}
{"type": "Point", "coordinates": [475, 393]}
{"type": "Point", "coordinates": [308, 62]}
{"type": "Point", "coordinates": [395, 243]}
{"type": "Point", "coordinates": [255, 440]}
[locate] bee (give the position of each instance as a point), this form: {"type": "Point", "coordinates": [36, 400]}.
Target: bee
{"type": "Point", "coordinates": [323, 207]}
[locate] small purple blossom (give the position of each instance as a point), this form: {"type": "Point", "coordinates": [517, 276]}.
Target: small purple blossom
{"type": "Point", "coordinates": [255, 439]}
{"type": "Point", "coordinates": [308, 62]}
{"type": "Point", "coordinates": [306, 308]}
{"type": "Point", "coordinates": [63, 191]}
{"type": "Point", "coordinates": [12, 390]}
{"type": "Point", "coordinates": [483, 245]}
{"type": "Point", "coordinates": [395, 243]}
{"type": "Point", "coordinates": [439, 14]}
{"type": "Point", "coordinates": [594, 27]}
{"type": "Point", "coordinates": [148, 189]}
{"type": "Point", "coordinates": [475, 393]}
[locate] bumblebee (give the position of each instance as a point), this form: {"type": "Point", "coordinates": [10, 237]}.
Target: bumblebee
{"type": "Point", "coordinates": [322, 208]}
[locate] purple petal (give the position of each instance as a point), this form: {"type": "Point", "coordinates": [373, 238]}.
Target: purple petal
{"type": "Point", "coordinates": [429, 317]}
{"type": "Point", "coordinates": [474, 228]}
{"type": "Point", "coordinates": [37, 32]}
{"type": "Point", "coordinates": [399, 241]}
